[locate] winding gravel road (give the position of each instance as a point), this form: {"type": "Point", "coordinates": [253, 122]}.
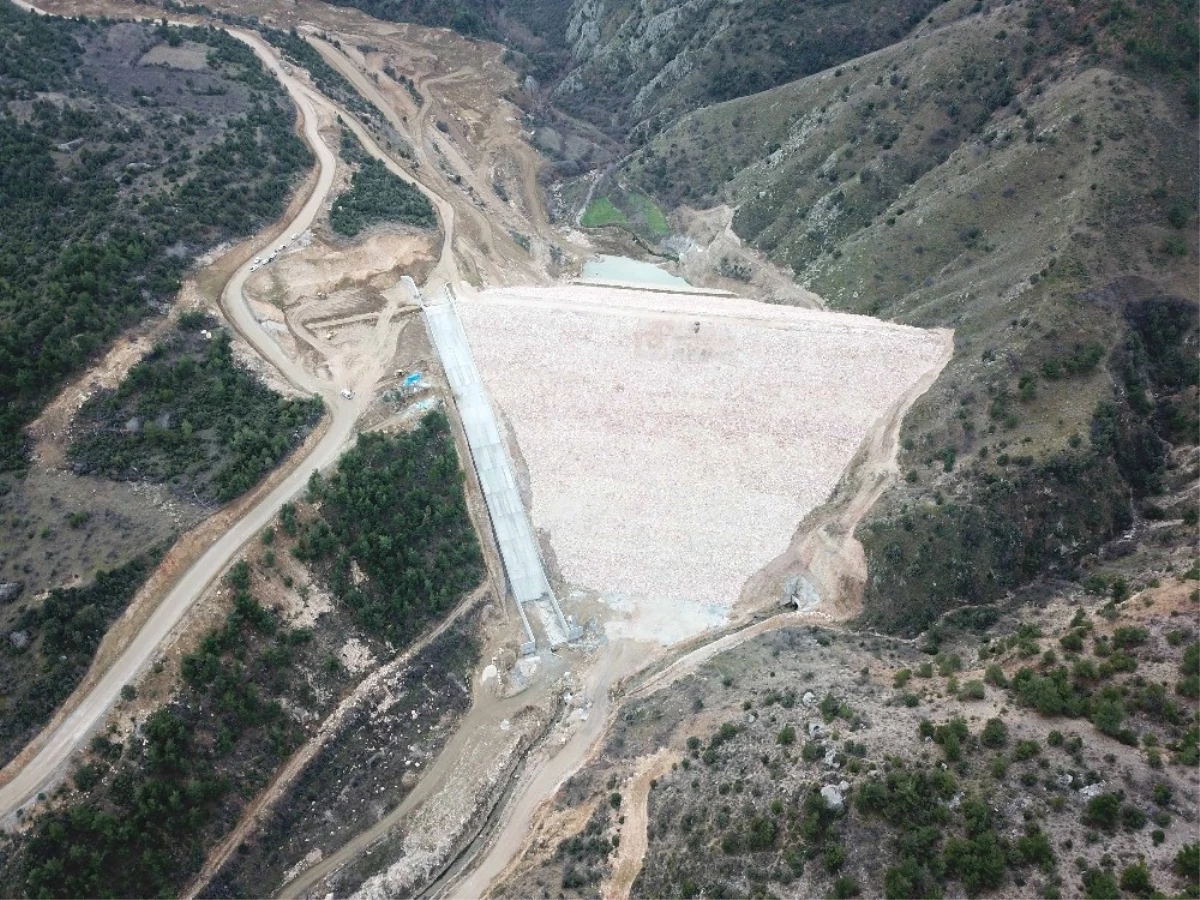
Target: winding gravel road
{"type": "Point", "coordinates": [19, 784]}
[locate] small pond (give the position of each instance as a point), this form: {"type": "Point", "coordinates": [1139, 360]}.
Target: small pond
{"type": "Point", "coordinates": [622, 268]}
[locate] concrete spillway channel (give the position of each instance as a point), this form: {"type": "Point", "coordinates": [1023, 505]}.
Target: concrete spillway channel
{"type": "Point", "coordinates": [514, 535]}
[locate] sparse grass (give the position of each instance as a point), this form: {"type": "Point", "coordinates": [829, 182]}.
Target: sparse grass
{"type": "Point", "coordinates": [602, 212]}
{"type": "Point", "coordinates": [649, 212]}
{"type": "Point", "coordinates": [731, 52]}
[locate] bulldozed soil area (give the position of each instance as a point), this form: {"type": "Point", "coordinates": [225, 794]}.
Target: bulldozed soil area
{"type": "Point", "coordinates": [669, 445]}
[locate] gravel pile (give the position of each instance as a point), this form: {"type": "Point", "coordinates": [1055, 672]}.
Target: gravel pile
{"type": "Point", "coordinates": [675, 441]}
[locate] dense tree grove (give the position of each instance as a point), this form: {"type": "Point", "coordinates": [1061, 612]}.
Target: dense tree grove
{"type": "Point", "coordinates": [1038, 516]}
{"type": "Point", "coordinates": [101, 214]}
{"type": "Point", "coordinates": [56, 642]}
{"type": "Point", "coordinates": [1015, 528]}
{"type": "Point", "coordinates": [190, 415]}
{"type": "Point", "coordinates": [376, 195]}
{"type": "Point", "coordinates": [467, 17]}
{"type": "Point", "coordinates": [328, 80]}
{"type": "Point", "coordinates": [1156, 364]}
{"type": "Point", "coordinates": [395, 507]}
{"type": "Point", "coordinates": [151, 809]}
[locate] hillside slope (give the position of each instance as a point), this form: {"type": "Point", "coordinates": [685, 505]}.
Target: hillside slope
{"type": "Point", "coordinates": [1025, 174]}
{"type": "Point", "coordinates": [127, 150]}
{"type": "Point", "coordinates": [637, 65]}
{"type": "Point", "coordinates": [1045, 753]}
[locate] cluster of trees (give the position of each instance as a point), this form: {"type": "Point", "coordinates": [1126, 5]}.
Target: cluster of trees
{"type": "Point", "coordinates": [1015, 528]}
{"type": "Point", "coordinates": [1103, 686]}
{"type": "Point", "coordinates": [915, 804]}
{"type": "Point", "coordinates": [244, 180]}
{"type": "Point", "coordinates": [936, 826]}
{"type": "Point", "coordinates": [59, 638]}
{"type": "Point", "coordinates": [350, 149]}
{"type": "Point", "coordinates": [188, 414]}
{"type": "Point", "coordinates": [1157, 366]}
{"type": "Point", "coordinates": [337, 781]}
{"type": "Point", "coordinates": [795, 45]}
{"type": "Point", "coordinates": [933, 840]}
{"type": "Point", "coordinates": [585, 853]}
{"type": "Point", "coordinates": [376, 195]}
{"type": "Point", "coordinates": [36, 54]}
{"type": "Point", "coordinates": [1058, 693]}
{"type": "Point", "coordinates": [1152, 38]}
{"type": "Point", "coordinates": [224, 52]}
{"type": "Point", "coordinates": [86, 248]}
{"type": "Point", "coordinates": [148, 814]}
{"type": "Point", "coordinates": [328, 80]}
{"type": "Point", "coordinates": [395, 507]}
{"type": "Point", "coordinates": [1043, 517]}
{"type": "Point", "coordinates": [735, 836]}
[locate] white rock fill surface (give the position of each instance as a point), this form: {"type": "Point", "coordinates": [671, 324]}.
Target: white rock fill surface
{"type": "Point", "coordinates": [674, 441]}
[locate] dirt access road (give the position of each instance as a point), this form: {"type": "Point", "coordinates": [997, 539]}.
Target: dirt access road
{"type": "Point", "coordinates": [485, 243]}
{"type": "Point", "coordinates": [256, 812]}
{"type": "Point", "coordinates": [19, 784]}
{"type": "Point", "coordinates": [635, 807]}
{"type": "Point", "coordinates": [541, 779]}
